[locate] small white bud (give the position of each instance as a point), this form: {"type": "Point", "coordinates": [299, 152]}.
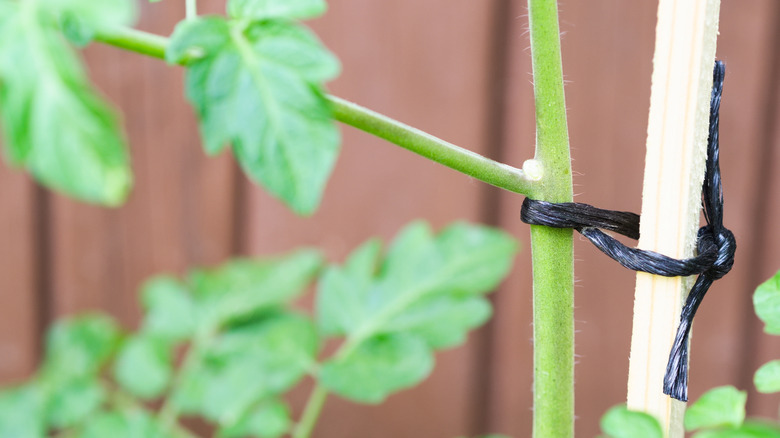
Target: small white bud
{"type": "Point", "coordinates": [533, 169]}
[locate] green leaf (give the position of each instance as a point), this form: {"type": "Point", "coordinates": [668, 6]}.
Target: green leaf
{"type": "Point", "coordinates": [79, 347]}
{"type": "Point", "coordinates": [751, 429]}
{"type": "Point", "coordinates": [339, 307]}
{"type": "Point", "coordinates": [244, 287]}
{"type": "Point", "coordinates": [767, 378]}
{"type": "Point", "coordinates": [73, 402]}
{"type": "Point", "coordinates": [433, 319]}
{"type": "Point", "coordinates": [53, 122]}
{"type": "Point", "coordinates": [264, 9]}
{"type": "Point", "coordinates": [423, 281]}
{"type": "Point", "coordinates": [619, 422]}
{"type": "Point", "coordinates": [22, 413]}
{"type": "Point", "coordinates": [766, 301]}
{"type": "Point", "coordinates": [246, 364]}
{"type": "Point", "coordinates": [258, 86]}
{"type": "Point", "coordinates": [271, 419]}
{"type": "Point", "coordinates": [378, 367]}
{"type": "Point", "coordinates": [723, 406]}
{"type": "Point", "coordinates": [126, 424]}
{"type": "Point", "coordinates": [171, 311]}
{"type": "Point", "coordinates": [144, 366]}
{"type": "Point", "coordinates": [427, 293]}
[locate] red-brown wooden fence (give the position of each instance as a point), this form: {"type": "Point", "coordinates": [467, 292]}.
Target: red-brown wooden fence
{"type": "Point", "coordinates": [461, 70]}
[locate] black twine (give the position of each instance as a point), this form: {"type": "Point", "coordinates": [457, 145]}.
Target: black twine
{"type": "Point", "coordinates": [715, 244]}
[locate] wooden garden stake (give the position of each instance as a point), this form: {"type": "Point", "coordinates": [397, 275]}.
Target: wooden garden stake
{"type": "Point", "coordinates": [671, 201]}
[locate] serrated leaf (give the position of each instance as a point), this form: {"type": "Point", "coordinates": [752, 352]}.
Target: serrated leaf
{"type": "Point", "coordinates": [22, 413]}
{"type": "Point", "coordinates": [766, 301]}
{"type": "Point", "coordinates": [619, 422]}
{"type": "Point", "coordinates": [379, 366]}
{"type": "Point", "coordinates": [433, 319]}
{"type": "Point", "coordinates": [171, 312]}
{"type": "Point", "coordinates": [246, 364]}
{"type": "Point", "coordinates": [124, 424]}
{"type": "Point", "coordinates": [767, 378]}
{"type": "Point", "coordinates": [718, 407]}
{"type": "Point", "coordinates": [265, 9]}
{"type": "Point", "coordinates": [79, 347]}
{"type": "Point", "coordinates": [751, 429]}
{"type": "Point", "coordinates": [54, 123]}
{"type": "Point", "coordinates": [258, 86]}
{"type": "Point", "coordinates": [338, 310]}
{"type": "Point", "coordinates": [73, 402]}
{"type": "Point", "coordinates": [271, 419]}
{"type": "Point", "coordinates": [415, 286]}
{"type": "Point", "coordinates": [246, 286]}
{"type": "Point", "coordinates": [144, 366]}
{"type": "Point", "coordinates": [428, 289]}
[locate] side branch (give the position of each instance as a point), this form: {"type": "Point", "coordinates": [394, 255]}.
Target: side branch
{"type": "Point", "coordinates": [413, 139]}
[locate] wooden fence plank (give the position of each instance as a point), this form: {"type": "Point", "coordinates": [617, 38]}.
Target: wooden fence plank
{"type": "Point", "coordinates": [756, 137]}
{"type": "Point", "coordinates": [19, 298]}
{"type": "Point", "coordinates": [425, 63]}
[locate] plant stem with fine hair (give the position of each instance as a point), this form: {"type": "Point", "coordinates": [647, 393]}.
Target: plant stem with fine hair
{"type": "Point", "coordinates": [552, 253]}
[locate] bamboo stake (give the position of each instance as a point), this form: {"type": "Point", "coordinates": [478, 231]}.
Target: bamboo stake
{"type": "Point", "coordinates": [674, 168]}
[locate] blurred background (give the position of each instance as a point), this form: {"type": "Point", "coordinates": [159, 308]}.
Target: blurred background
{"type": "Point", "coordinates": [459, 69]}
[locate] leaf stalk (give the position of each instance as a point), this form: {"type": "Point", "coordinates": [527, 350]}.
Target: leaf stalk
{"type": "Point", "coordinates": [415, 140]}
{"type": "Point", "coordinates": [311, 412]}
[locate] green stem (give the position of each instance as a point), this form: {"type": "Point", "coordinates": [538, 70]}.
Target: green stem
{"type": "Point", "coordinates": [552, 254]}
{"type": "Point", "coordinates": [419, 142]}
{"type": "Point", "coordinates": [134, 40]}
{"type": "Point", "coordinates": [168, 416]}
{"type": "Point", "coordinates": [422, 143]}
{"type": "Point", "coordinates": [191, 9]}
{"type": "Point", "coordinates": [311, 412]}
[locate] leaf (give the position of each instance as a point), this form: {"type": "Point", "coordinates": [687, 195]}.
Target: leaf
{"type": "Point", "coordinates": [258, 86]}
{"type": "Point", "coordinates": [751, 429]}
{"type": "Point", "coordinates": [378, 367]}
{"type": "Point", "coordinates": [243, 287]}
{"type": "Point", "coordinates": [718, 407]}
{"type": "Point", "coordinates": [144, 366]}
{"type": "Point", "coordinates": [422, 280]}
{"type": "Point", "coordinates": [619, 422]}
{"type": "Point", "coordinates": [767, 378]}
{"type": "Point", "coordinates": [74, 402]}
{"type": "Point", "coordinates": [264, 9]}
{"type": "Point", "coordinates": [79, 347]}
{"type": "Point", "coordinates": [171, 312]}
{"type": "Point", "coordinates": [766, 301]}
{"type": "Point", "coordinates": [427, 293]}
{"type": "Point", "coordinates": [270, 419]}
{"type": "Point", "coordinates": [21, 413]}
{"type": "Point", "coordinates": [338, 308]}
{"type": "Point", "coordinates": [433, 319]}
{"type": "Point", "coordinates": [126, 424]}
{"type": "Point", "coordinates": [247, 364]}
{"type": "Point", "coordinates": [54, 123]}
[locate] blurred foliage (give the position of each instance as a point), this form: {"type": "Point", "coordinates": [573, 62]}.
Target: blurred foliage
{"type": "Point", "coordinates": [225, 344]}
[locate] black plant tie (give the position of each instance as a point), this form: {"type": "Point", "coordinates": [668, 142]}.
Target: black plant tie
{"type": "Point", "coordinates": [715, 244]}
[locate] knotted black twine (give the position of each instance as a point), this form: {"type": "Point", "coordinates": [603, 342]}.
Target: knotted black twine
{"type": "Point", "coordinates": [715, 244]}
